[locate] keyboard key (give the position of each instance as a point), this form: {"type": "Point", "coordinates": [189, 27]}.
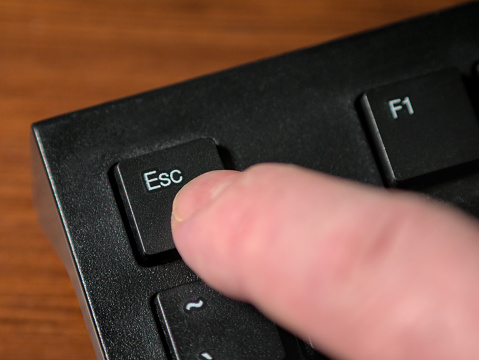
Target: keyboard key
{"type": "Point", "coordinates": [148, 185]}
{"type": "Point", "coordinates": [201, 324]}
{"type": "Point", "coordinates": [422, 125]}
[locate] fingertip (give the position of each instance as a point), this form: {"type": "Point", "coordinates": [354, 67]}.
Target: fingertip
{"type": "Point", "coordinates": [199, 192]}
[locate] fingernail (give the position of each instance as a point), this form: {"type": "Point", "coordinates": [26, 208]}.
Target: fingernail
{"type": "Point", "coordinates": [199, 192]}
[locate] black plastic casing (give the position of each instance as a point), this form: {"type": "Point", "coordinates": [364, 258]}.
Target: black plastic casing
{"type": "Point", "coordinates": [297, 108]}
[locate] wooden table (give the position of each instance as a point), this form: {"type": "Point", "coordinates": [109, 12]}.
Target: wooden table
{"type": "Point", "coordinates": [59, 56]}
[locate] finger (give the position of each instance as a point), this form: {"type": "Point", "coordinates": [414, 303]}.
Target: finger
{"type": "Point", "coordinates": [365, 273]}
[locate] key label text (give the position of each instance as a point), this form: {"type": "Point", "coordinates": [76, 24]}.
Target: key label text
{"type": "Point", "coordinates": [194, 305]}
{"type": "Point", "coordinates": [397, 105]}
{"type": "Point", "coordinates": [157, 180]}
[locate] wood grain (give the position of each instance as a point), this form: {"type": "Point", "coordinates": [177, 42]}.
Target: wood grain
{"type": "Point", "coordinates": [58, 56]}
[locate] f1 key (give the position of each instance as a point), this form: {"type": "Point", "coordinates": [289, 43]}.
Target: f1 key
{"type": "Point", "coordinates": [148, 184]}
{"type": "Point", "coordinates": [422, 125]}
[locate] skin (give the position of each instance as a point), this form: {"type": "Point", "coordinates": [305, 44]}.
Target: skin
{"type": "Point", "coordinates": [365, 273]}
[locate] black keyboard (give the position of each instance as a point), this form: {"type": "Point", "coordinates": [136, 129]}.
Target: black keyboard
{"type": "Point", "coordinates": [395, 107]}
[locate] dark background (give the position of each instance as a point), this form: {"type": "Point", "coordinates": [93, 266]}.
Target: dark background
{"type": "Point", "coordinates": [59, 56]}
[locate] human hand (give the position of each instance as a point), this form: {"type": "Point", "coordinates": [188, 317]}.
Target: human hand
{"type": "Point", "coordinates": [365, 273]}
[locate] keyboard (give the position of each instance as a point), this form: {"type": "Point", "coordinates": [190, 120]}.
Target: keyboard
{"type": "Point", "coordinates": [395, 107]}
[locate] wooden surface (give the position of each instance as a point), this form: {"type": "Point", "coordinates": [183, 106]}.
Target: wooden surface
{"type": "Point", "coordinates": [59, 56]}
